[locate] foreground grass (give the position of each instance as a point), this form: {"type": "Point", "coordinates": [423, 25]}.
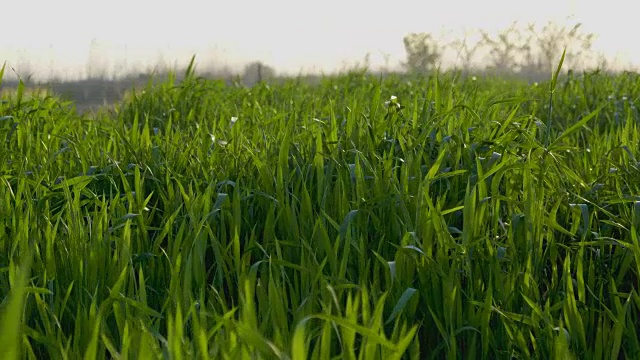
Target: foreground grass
{"type": "Point", "coordinates": [426, 218]}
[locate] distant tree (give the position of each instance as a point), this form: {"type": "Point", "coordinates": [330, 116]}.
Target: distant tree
{"type": "Point", "coordinates": [387, 60]}
{"type": "Point", "coordinates": [97, 61]}
{"type": "Point", "coordinates": [363, 66]}
{"type": "Point", "coordinates": [466, 52]}
{"type": "Point", "coordinates": [422, 51]}
{"type": "Point", "coordinates": [553, 39]}
{"type": "Point", "coordinates": [23, 69]}
{"type": "Point", "coordinates": [256, 71]}
{"type": "Point", "coordinates": [534, 52]}
{"type": "Point", "coordinates": [505, 48]}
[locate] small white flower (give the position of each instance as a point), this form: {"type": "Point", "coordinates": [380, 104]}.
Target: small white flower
{"type": "Point", "coordinates": [219, 142]}
{"type": "Point", "coordinates": [392, 101]}
{"type": "Point", "coordinates": [233, 120]}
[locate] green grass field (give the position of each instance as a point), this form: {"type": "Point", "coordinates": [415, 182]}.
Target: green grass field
{"type": "Point", "coordinates": [362, 218]}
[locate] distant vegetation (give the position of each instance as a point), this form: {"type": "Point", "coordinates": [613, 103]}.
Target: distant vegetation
{"type": "Point", "coordinates": [98, 91]}
{"type": "Point", "coordinates": [527, 52]}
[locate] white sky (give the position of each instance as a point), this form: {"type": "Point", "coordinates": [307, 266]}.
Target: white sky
{"type": "Point", "coordinates": [55, 36]}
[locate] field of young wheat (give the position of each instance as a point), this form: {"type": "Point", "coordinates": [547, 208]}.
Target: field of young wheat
{"type": "Point", "coordinates": [403, 217]}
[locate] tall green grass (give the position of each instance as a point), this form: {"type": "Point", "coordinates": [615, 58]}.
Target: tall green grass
{"type": "Point", "coordinates": [361, 218]}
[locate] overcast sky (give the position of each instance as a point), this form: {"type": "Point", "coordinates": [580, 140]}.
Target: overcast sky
{"type": "Point", "coordinates": [56, 36]}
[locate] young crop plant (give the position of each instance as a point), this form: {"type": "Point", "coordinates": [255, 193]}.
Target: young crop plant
{"type": "Point", "coordinates": [406, 217]}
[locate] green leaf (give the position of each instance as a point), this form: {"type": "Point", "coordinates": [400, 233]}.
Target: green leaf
{"type": "Point", "coordinates": [299, 341]}
{"type": "Point", "coordinates": [401, 304]}
{"type": "Point", "coordinates": [575, 127]}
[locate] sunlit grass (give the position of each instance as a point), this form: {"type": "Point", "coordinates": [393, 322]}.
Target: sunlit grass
{"type": "Point", "coordinates": [435, 217]}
